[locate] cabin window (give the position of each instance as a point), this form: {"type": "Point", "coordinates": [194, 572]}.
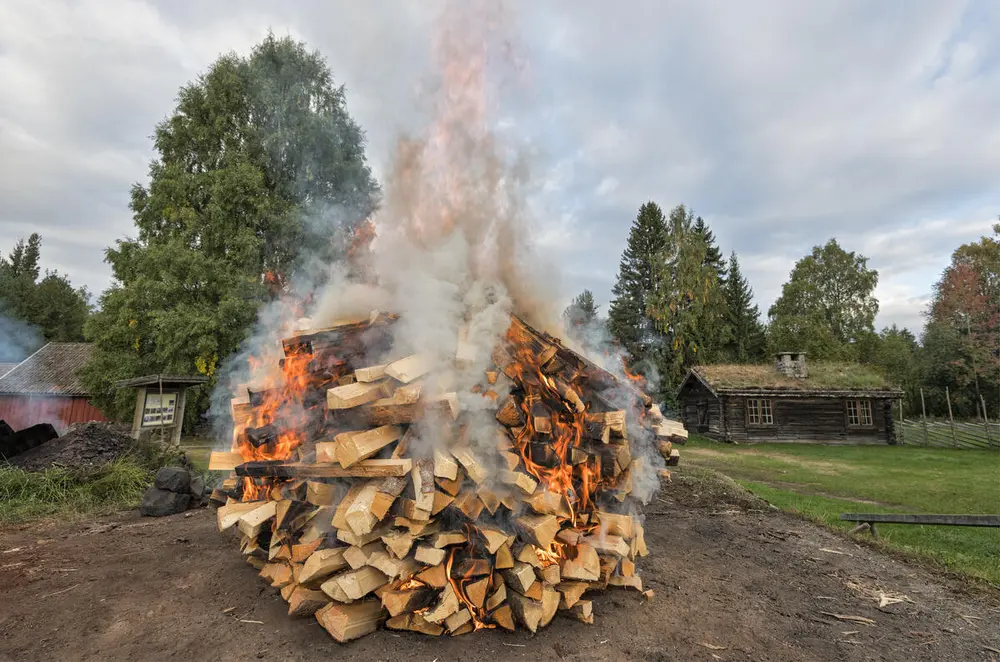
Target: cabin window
{"type": "Point", "coordinates": [859, 413]}
{"type": "Point", "coordinates": [759, 412]}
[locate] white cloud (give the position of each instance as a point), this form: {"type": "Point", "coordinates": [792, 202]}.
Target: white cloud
{"type": "Point", "coordinates": [781, 123]}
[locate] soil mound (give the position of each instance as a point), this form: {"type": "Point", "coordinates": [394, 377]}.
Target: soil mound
{"type": "Point", "coordinates": [85, 444]}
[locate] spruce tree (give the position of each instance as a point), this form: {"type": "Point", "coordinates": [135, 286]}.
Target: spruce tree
{"type": "Point", "coordinates": [747, 341]}
{"type": "Point", "coordinates": [629, 318]}
{"type": "Point", "coordinates": [689, 305]}
{"type": "Point", "coordinates": [713, 256]}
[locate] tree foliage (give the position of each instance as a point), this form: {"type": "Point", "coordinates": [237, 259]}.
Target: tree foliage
{"type": "Point", "coordinates": [582, 322]}
{"type": "Point", "coordinates": [747, 342]}
{"type": "Point", "coordinates": [689, 305]}
{"type": "Point", "coordinates": [962, 337]}
{"type": "Point", "coordinates": [259, 167]}
{"type": "Point", "coordinates": [49, 309]}
{"type": "Point", "coordinates": [827, 305]}
{"type": "Point", "coordinates": [629, 317]}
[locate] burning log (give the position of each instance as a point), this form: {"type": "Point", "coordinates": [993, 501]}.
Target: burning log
{"type": "Point", "coordinates": [401, 507]}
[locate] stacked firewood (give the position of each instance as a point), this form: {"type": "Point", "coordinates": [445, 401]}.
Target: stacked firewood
{"type": "Point", "coordinates": [389, 502]}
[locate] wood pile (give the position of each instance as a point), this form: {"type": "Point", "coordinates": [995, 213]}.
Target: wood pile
{"type": "Point", "coordinates": [367, 495]}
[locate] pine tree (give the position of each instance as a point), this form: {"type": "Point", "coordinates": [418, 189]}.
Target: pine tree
{"type": "Point", "coordinates": [747, 341]}
{"type": "Point", "coordinates": [629, 319]}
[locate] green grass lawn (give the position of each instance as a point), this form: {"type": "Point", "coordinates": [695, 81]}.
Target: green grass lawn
{"type": "Point", "coordinates": [197, 449]}
{"type": "Point", "coordinates": [821, 482]}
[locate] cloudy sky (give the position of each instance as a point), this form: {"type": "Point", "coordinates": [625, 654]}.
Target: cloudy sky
{"type": "Point", "coordinates": [782, 123]}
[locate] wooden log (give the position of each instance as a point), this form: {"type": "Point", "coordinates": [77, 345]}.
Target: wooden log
{"type": "Point", "coordinates": [430, 555]}
{"type": "Point", "coordinates": [321, 564]}
{"type": "Point", "coordinates": [441, 501]}
{"type": "Point", "coordinates": [445, 465]}
{"type": "Point", "coordinates": [470, 463]}
{"type": "Point", "coordinates": [358, 515]}
{"type": "Point", "coordinates": [349, 396]}
{"type": "Point", "coordinates": [398, 542]}
{"type": "Point", "coordinates": [356, 446]}
{"type": "Point", "coordinates": [586, 566]}
{"type": "Point", "coordinates": [414, 623]}
{"type": "Point", "coordinates": [618, 525]}
{"type": "Point", "coordinates": [357, 557]}
{"type": "Point", "coordinates": [446, 605]}
{"type": "Point", "coordinates": [388, 491]}
{"type": "Point", "coordinates": [456, 621]}
{"type": "Point", "coordinates": [395, 411]}
{"type": "Point", "coordinates": [251, 523]}
{"type": "Point", "coordinates": [520, 577]}
{"type": "Point", "coordinates": [476, 592]}
{"type": "Point", "coordinates": [546, 502]}
{"type": "Point", "coordinates": [521, 480]}
{"type": "Point", "coordinates": [398, 601]}
{"type": "Point", "coordinates": [493, 537]}
{"type": "Point", "coordinates": [540, 530]}
{"type": "Point", "coordinates": [407, 369]}
{"type": "Point", "coordinates": [503, 617]}
{"type": "Point", "coordinates": [608, 544]}
{"type": "Point", "coordinates": [224, 461]}
{"type": "Point", "coordinates": [321, 494]}
{"type": "Point", "coordinates": [510, 413]}
{"type": "Point", "coordinates": [571, 592]}
{"type": "Point", "coordinates": [550, 574]}
{"type": "Point", "coordinates": [363, 469]}
{"type": "Point", "coordinates": [465, 350]}
{"type": "Point", "coordinates": [436, 576]}
{"type": "Point", "coordinates": [422, 476]}
{"type": "Point", "coordinates": [305, 602]}
{"type": "Point", "coordinates": [229, 514]}
{"type": "Point", "coordinates": [497, 597]}
{"type": "Point", "coordinates": [356, 584]}
{"type": "Point", "coordinates": [525, 338]}
{"type": "Point", "coordinates": [370, 374]}
{"type": "Point", "coordinates": [504, 557]}
{"type": "Point", "coordinates": [528, 612]}
{"type": "Point", "coordinates": [583, 611]}
{"type": "Point", "coordinates": [347, 622]}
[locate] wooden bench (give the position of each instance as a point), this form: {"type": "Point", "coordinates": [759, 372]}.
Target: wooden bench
{"type": "Point", "coordinates": [868, 520]}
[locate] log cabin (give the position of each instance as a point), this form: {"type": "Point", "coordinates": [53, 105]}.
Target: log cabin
{"type": "Point", "coordinates": [789, 401]}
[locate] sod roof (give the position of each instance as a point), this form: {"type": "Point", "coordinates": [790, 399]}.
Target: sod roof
{"type": "Point", "coordinates": [822, 376]}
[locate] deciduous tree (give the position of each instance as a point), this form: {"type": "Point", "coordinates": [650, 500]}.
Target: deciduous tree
{"type": "Point", "coordinates": [259, 166]}
{"type": "Point", "coordinates": [827, 305]}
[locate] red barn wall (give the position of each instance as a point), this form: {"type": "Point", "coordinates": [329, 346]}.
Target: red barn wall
{"type": "Point", "coordinates": [22, 411]}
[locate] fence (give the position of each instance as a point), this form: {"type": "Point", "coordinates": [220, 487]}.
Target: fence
{"type": "Point", "coordinates": [945, 434]}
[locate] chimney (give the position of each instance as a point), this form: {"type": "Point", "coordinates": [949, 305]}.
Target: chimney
{"type": "Point", "coordinates": [792, 364]}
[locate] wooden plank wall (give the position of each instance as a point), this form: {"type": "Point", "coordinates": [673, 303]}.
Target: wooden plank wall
{"type": "Point", "coordinates": [819, 419]}
{"type": "Point", "coordinates": [22, 411]}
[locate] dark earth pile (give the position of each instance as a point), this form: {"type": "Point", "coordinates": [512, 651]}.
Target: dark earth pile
{"type": "Point", "coordinates": [86, 444]}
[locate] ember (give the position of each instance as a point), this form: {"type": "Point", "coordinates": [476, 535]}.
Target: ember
{"type": "Point", "coordinates": [380, 506]}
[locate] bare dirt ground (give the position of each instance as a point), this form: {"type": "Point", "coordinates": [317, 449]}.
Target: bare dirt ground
{"type": "Point", "coordinates": [731, 584]}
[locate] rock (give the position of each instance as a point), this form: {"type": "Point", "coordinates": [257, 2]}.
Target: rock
{"type": "Point", "coordinates": [197, 487]}
{"type": "Point", "coordinates": [159, 503]}
{"type": "Point", "coordinates": [173, 479]}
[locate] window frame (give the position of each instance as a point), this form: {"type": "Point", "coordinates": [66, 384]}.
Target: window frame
{"type": "Point", "coordinates": [863, 415]}
{"type": "Point", "coordinates": [759, 406]}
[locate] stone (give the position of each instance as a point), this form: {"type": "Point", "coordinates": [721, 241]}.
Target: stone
{"type": "Point", "coordinates": [159, 503]}
{"type": "Point", "coordinates": [173, 479]}
{"type": "Point", "coordinates": [197, 487]}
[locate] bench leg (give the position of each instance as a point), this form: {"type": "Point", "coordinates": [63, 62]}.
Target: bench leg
{"type": "Point", "coordinates": [871, 528]}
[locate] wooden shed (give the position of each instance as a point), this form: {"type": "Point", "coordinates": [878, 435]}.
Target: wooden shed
{"type": "Point", "coordinates": [789, 401]}
{"type": "Point", "coordinates": [46, 388]}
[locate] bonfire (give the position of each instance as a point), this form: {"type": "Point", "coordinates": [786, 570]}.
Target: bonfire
{"type": "Point", "coordinates": [370, 494]}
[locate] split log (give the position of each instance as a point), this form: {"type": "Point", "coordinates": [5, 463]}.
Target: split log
{"type": "Point", "coordinates": [347, 622]}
